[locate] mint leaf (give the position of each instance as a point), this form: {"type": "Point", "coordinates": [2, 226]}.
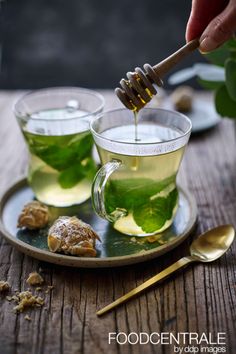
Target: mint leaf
{"type": "Point", "coordinates": [70, 155]}
{"type": "Point", "coordinates": [230, 71]}
{"type": "Point", "coordinates": [171, 201]}
{"type": "Point", "coordinates": [71, 176]}
{"type": "Point", "coordinates": [62, 155]}
{"type": "Point", "coordinates": [209, 85]}
{"type": "Point", "coordinates": [153, 214]}
{"type": "Point", "coordinates": [128, 193]}
{"type": "Point", "coordinates": [225, 106]}
{"type": "Point", "coordinates": [124, 193]}
{"type": "Point", "coordinates": [231, 44]}
{"type": "Point", "coordinates": [55, 156]}
{"type": "Point", "coordinates": [89, 167]}
{"type": "Point", "coordinates": [81, 147]}
{"type": "Point", "coordinates": [219, 55]}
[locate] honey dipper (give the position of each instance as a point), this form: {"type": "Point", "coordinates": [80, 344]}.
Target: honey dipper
{"type": "Point", "coordinates": [138, 90]}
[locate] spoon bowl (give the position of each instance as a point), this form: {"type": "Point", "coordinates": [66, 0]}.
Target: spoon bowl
{"type": "Point", "coordinates": [212, 244]}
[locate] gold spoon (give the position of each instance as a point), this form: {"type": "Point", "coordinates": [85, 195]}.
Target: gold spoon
{"type": "Point", "coordinates": [206, 248]}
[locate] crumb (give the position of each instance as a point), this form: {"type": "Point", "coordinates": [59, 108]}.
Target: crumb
{"type": "Point", "coordinates": [4, 286]}
{"type": "Point", "coordinates": [171, 238]}
{"type": "Point", "coordinates": [15, 297]}
{"type": "Point", "coordinates": [141, 252]}
{"type": "Point", "coordinates": [34, 279]}
{"type": "Point", "coordinates": [26, 299]}
{"type": "Point", "coordinates": [50, 287]}
{"type": "Point", "coordinates": [27, 318]}
{"type": "Point", "coordinates": [161, 242]}
{"type": "Point", "coordinates": [9, 298]}
{"type": "Point", "coordinates": [133, 239]}
{"type": "Point", "coordinates": [34, 215]}
{"type": "Point", "coordinates": [151, 239]}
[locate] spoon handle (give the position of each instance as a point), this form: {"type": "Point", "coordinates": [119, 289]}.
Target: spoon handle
{"type": "Point", "coordinates": [160, 276]}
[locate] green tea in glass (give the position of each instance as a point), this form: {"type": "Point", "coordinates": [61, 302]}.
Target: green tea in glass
{"type": "Point", "coordinates": [55, 124]}
{"type": "Point", "coordinates": [136, 189]}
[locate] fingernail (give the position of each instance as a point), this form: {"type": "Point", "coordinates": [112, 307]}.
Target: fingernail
{"type": "Point", "coordinates": [207, 45]}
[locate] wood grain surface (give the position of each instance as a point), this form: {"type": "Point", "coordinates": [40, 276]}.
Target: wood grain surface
{"type": "Point", "coordinates": [200, 299]}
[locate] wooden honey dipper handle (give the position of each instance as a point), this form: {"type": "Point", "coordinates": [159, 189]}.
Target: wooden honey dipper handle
{"type": "Point", "coordinates": [167, 64]}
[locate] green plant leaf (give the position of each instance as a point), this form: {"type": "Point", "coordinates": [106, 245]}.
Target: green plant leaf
{"type": "Point", "coordinates": [231, 44]}
{"type": "Point", "coordinates": [153, 214]}
{"type": "Point", "coordinates": [69, 156]}
{"type": "Point", "coordinates": [209, 85]}
{"type": "Point", "coordinates": [89, 168]}
{"type": "Point", "coordinates": [219, 55]}
{"type": "Point", "coordinates": [69, 177]}
{"type": "Point", "coordinates": [82, 147]}
{"type": "Point", "coordinates": [55, 156]}
{"type": "Point", "coordinates": [225, 106]}
{"type": "Point", "coordinates": [126, 193]}
{"type": "Point", "coordinates": [230, 71]}
{"type": "Point", "coordinates": [140, 196]}
{"type": "Point", "coordinates": [171, 201]}
{"type": "Point", "coordinates": [59, 155]}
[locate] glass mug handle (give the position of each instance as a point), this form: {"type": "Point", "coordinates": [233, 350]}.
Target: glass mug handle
{"type": "Point", "coordinates": [98, 189]}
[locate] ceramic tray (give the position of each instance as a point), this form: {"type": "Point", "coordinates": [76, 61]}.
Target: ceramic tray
{"type": "Point", "coordinates": [115, 249]}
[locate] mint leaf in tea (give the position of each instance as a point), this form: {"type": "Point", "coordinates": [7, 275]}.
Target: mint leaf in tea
{"type": "Point", "coordinates": [61, 165]}
{"type": "Point", "coordinates": [158, 211]}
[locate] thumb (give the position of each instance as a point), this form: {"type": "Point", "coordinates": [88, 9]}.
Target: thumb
{"type": "Point", "coordinates": [220, 29]}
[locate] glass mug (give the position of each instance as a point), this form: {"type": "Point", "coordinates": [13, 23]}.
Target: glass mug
{"type": "Point", "coordinates": [55, 124]}
{"type": "Point", "coordinates": [135, 188]}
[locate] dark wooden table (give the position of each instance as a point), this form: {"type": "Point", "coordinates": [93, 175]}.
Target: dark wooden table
{"type": "Point", "coordinates": [200, 299]}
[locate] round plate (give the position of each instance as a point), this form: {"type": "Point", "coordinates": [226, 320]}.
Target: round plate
{"type": "Point", "coordinates": [203, 115]}
{"type": "Point", "coordinates": [115, 249]}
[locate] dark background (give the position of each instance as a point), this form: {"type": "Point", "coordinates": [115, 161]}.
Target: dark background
{"type": "Point", "coordinates": [88, 43]}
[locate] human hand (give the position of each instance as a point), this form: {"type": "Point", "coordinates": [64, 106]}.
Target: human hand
{"type": "Point", "coordinates": [214, 21]}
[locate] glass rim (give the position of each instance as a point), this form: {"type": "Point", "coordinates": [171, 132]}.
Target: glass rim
{"type": "Point", "coordinates": [42, 91]}
{"type": "Point", "coordinates": [138, 143]}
